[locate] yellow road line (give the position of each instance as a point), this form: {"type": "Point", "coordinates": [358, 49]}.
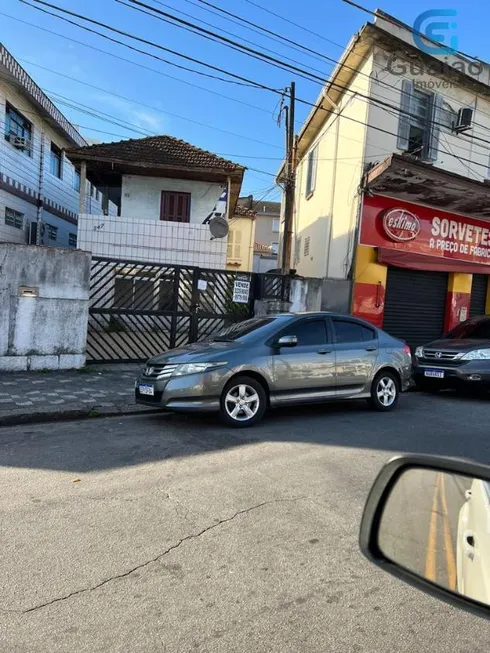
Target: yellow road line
{"type": "Point", "coordinates": [448, 543]}
{"type": "Point", "coordinates": [431, 553]}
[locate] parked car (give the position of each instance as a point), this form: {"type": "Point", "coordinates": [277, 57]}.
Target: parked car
{"type": "Point", "coordinates": [460, 358]}
{"type": "Point", "coordinates": [275, 361]}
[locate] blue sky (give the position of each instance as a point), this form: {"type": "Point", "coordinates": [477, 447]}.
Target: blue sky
{"type": "Point", "coordinates": [242, 133]}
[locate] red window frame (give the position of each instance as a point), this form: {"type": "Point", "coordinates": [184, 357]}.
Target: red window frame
{"type": "Point", "coordinates": [175, 206]}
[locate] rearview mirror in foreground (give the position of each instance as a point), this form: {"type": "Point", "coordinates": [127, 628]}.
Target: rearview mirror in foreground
{"type": "Point", "coordinates": [427, 521]}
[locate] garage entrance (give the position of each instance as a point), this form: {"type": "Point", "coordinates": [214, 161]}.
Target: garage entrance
{"type": "Point", "coordinates": [415, 305]}
{"type": "Point", "coordinates": [478, 295]}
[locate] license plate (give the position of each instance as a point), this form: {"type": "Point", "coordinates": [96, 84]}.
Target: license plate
{"type": "Point", "coordinates": [434, 374]}
{"type": "Point", "coordinates": [146, 389]}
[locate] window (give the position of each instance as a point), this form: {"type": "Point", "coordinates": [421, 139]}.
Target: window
{"type": "Point", "coordinates": [275, 248]}
{"type": "Point", "coordinates": [56, 159]}
{"type": "Point", "coordinates": [347, 331]}
{"type": "Point", "coordinates": [310, 333]}
{"type": "Point", "coordinates": [52, 232]}
{"type": "Point", "coordinates": [175, 207]}
{"type": "Point", "coordinates": [14, 218]}
{"type": "Point", "coordinates": [421, 115]}
{"type": "Point", "coordinates": [234, 247]}
{"type": "Point", "coordinates": [17, 126]}
{"type": "Point", "coordinates": [76, 180]}
{"type": "Point", "coordinates": [306, 248]}
{"type": "Point", "coordinates": [474, 330]}
{"type": "Point", "coordinates": [97, 195]}
{"type": "Point", "coordinates": [311, 171]}
{"type": "Point", "coordinates": [72, 240]}
{"type": "Point", "coordinates": [92, 190]}
{"type": "Point", "coordinates": [276, 225]}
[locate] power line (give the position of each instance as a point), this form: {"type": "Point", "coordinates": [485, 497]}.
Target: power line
{"type": "Point", "coordinates": [148, 54]}
{"type": "Point", "coordinates": [183, 13]}
{"type": "Point", "coordinates": [149, 106]}
{"type": "Point", "coordinates": [234, 45]}
{"type": "Point", "coordinates": [286, 20]}
{"type": "Point", "coordinates": [398, 23]}
{"type": "Point", "coordinates": [257, 84]}
{"type": "Point", "coordinates": [134, 63]}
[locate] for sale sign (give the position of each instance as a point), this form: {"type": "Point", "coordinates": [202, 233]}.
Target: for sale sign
{"type": "Point", "coordinates": [241, 289]}
{"type": "Point", "coordinates": [387, 222]}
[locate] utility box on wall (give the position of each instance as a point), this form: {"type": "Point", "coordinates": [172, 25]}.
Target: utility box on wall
{"type": "Point", "coordinates": [44, 297]}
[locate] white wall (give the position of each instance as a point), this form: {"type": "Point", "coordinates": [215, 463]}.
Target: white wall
{"type": "Point", "coordinates": [386, 85]}
{"type": "Point", "coordinates": [48, 330]}
{"type": "Point", "coordinates": [141, 239]}
{"type": "Point", "coordinates": [141, 196]}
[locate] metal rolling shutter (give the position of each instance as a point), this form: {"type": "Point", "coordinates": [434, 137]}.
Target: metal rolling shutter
{"type": "Point", "coordinates": [478, 295]}
{"type": "Point", "coordinates": [415, 305]}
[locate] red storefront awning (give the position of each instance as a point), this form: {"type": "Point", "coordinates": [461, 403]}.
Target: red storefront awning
{"type": "Point", "coordinates": [411, 261]}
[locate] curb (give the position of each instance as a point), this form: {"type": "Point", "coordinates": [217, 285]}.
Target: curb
{"type": "Point", "coordinates": [72, 412]}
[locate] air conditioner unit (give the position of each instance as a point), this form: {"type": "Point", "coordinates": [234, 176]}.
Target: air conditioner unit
{"type": "Point", "coordinates": [20, 142]}
{"type": "Point", "coordinates": [463, 121]}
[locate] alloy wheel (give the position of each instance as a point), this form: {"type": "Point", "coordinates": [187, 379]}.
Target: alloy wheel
{"type": "Point", "coordinates": [242, 402]}
{"type": "Point", "coordinates": [386, 391]}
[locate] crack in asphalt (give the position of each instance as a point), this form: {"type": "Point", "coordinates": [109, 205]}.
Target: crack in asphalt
{"type": "Point", "coordinates": [157, 558]}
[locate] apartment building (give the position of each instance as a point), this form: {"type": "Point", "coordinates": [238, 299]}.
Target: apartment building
{"type": "Point", "coordinates": [39, 186]}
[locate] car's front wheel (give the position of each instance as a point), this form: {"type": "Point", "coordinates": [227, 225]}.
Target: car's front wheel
{"type": "Point", "coordinates": [243, 402]}
{"type": "Point", "coordinates": [385, 391]}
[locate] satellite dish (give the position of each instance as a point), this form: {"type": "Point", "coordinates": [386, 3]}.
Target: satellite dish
{"type": "Point", "coordinates": [218, 227]}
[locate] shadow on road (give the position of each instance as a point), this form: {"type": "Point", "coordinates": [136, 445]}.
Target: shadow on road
{"type": "Point", "coordinates": [444, 424]}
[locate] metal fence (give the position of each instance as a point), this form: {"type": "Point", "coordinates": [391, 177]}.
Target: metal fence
{"type": "Point", "coordinates": [140, 309]}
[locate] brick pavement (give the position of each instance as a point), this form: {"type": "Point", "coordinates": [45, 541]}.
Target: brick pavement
{"type": "Point", "coordinates": [24, 395]}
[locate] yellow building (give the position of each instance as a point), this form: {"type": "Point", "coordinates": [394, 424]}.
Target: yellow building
{"type": "Point", "coordinates": [240, 252]}
{"type": "Point", "coordinates": [391, 203]}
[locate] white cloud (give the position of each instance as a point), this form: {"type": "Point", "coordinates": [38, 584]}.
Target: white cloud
{"type": "Point", "coordinates": [126, 110]}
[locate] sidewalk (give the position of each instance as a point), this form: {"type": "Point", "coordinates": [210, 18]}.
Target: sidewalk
{"type": "Point", "coordinates": [27, 397]}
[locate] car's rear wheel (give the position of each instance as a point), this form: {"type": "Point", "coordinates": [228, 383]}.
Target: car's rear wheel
{"type": "Point", "coordinates": [243, 402]}
{"type": "Point", "coordinates": [385, 391]}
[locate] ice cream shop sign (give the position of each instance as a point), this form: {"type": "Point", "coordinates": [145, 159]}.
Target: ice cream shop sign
{"type": "Point", "coordinates": [407, 227]}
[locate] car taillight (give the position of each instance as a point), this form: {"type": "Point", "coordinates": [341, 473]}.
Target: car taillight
{"type": "Point", "coordinates": [407, 350]}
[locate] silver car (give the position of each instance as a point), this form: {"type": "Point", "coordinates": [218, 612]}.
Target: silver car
{"type": "Point", "coordinates": [279, 360]}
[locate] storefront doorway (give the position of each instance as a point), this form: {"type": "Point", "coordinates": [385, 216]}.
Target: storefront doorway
{"type": "Point", "coordinates": [415, 305]}
{"type": "Point", "coordinates": [478, 295]}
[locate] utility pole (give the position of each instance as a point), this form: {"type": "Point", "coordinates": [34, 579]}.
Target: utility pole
{"type": "Point", "coordinates": [289, 184]}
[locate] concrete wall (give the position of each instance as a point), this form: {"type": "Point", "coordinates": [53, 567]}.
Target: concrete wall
{"type": "Point", "coordinates": [264, 263]}
{"type": "Point", "coordinates": [155, 241]}
{"type": "Point", "coordinates": [305, 295]}
{"type": "Point", "coordinates": [142, 196]}
{"type": "Point", "coordinates": [48, 330]}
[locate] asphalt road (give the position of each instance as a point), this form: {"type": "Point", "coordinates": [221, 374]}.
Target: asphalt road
{"type": "Point", "coordinates": [157, 533]}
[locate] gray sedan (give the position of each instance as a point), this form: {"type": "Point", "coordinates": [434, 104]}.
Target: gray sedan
{"type": "Point", "coordinates": [275, 361]}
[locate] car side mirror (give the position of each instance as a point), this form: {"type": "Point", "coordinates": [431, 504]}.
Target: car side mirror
{"type": "Point", "coordinates": [287, 341]}
{"type": "Point", "coordinates": [426, 522]}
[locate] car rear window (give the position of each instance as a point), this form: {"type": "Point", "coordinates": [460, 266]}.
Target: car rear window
{"type": "Point", "coordinates": [347, 331]}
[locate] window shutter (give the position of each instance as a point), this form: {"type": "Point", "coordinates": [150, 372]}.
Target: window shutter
{"type": "Point", "coordinates": [435, 127]}
{"type": "Point", "coordinates": [238, 241]}
{"type": "Point", "coordinates": [404, 122]}
{"type": "Point", "coordinates": [229, 249]}
{"type": "Point", "coordinates": [175, 207]}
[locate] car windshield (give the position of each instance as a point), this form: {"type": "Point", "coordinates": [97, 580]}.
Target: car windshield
{"type": "Point", "coordinates": [472, 330]}
{"type": "Point", "coordinates": [241, 329]}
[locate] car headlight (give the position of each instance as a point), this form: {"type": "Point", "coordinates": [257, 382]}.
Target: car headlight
{"type": "Point", "coordinates": [196, 368]}
{"type": "Point", "coordinates": [477, 355]}
{"type": "Point", "coordinates": [419, 352]}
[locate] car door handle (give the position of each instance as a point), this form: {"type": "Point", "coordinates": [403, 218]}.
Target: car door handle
{"type": "Point", "coordinates": [371, 349]}
{"type": "Point", "coordinates": [324, 351]}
